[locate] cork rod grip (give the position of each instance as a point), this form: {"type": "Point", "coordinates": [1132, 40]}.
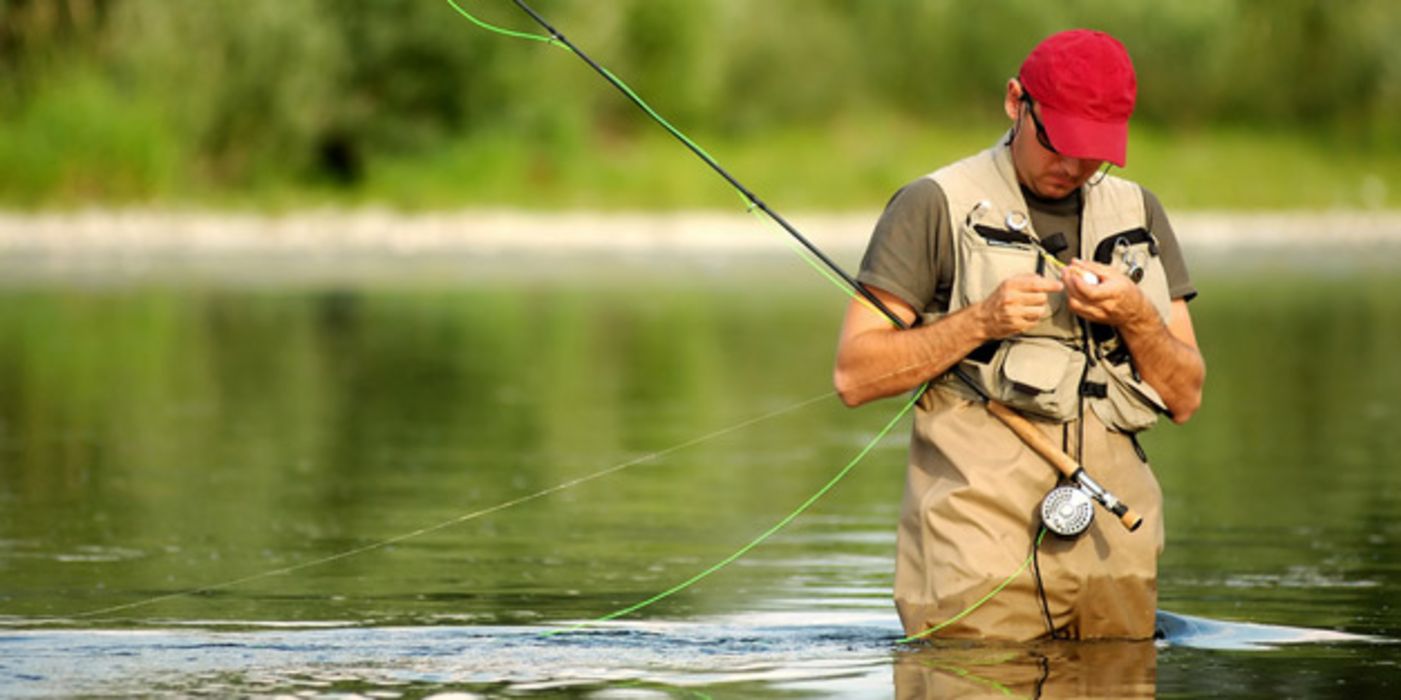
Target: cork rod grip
{"type": "Point", "coordinates": [1035, 439]}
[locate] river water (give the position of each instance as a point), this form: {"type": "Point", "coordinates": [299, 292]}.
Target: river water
{"type": "Point", "coordinates": [273, 486]}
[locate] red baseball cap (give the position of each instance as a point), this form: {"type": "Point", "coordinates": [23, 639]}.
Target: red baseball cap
{"type": "Point", "coordinates": [1085, 84]}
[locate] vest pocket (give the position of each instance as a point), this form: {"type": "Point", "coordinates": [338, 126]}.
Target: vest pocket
{"type": "Point", "coordinates": [988, 256]}
{"type": "Point", "coordinates": [1040, 376]}
{"type": "Point", "coordinates": [1129, 405]}
{"type": "Point", "coordinates": [988, 265]}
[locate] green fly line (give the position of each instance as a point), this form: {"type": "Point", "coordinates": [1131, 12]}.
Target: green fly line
{"type": "Point", "coordinates": [381, 544]}
{"type": "Point", "coordinates": [983, 600]}
{"type": "Point", "coordinates": [808, 254]}
{"type": "Point", "coordinates": [757, 540]}
{"type": "Point", "coordinates": [803, 253]}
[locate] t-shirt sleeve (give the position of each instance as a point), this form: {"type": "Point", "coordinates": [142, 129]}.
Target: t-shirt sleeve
{"type": "Point", "coordinates": [906, 247]}
{"type": "Point", "coordinates": [1174, 265]}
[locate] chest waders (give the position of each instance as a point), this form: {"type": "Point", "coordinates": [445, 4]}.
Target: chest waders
{"type": "Point", "coordinates": [974, 499]}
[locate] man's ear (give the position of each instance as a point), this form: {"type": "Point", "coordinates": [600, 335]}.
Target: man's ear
{"type": "Point", "coordinates": [1011, 102]}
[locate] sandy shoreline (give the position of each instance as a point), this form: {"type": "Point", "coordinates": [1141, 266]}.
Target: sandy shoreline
{"type": "Point", "coordinates": [103, 232]}
{"type": "Point", "coordinates": [374, 245]}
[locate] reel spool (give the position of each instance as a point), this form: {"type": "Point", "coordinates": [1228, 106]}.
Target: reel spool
{"type": "Point", "coordinates": [1067, 511]}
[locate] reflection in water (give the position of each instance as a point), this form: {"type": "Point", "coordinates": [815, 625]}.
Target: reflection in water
{"type": "Point", "coordinates": [1052, 669]}
{"type": "Point", "coordinates": [947, 669]}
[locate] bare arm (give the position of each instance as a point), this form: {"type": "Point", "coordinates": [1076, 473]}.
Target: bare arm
{"type": "Point", "coordinates": [875, 359]}
{"type": "Point", "coordinates": [1165, 354]}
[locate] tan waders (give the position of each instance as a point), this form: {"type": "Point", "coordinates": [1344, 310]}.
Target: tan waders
{"type": "Point", "coordinates": [969, 519]}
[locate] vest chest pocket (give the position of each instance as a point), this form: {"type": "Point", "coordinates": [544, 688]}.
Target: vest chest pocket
{"type": "Point", "coordinates": [989, 255]}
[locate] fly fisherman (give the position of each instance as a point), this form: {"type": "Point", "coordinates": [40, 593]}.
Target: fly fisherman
{"type": "Point", "coordinates": [1062, 293]}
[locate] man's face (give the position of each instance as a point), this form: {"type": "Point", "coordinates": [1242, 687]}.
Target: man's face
{"type": "Point", "coordinates": [1040, 169]}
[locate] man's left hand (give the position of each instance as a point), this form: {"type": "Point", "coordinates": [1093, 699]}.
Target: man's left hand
{"type": "Point", "coordinates": [1105, 295]}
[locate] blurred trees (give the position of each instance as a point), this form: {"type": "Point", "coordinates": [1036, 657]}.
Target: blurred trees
{"type": "Point", "coordinates": [121, 98]}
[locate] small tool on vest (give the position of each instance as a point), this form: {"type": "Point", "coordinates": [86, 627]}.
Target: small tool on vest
{"type": "Point", "coordinates": [977, 211]}
{"type": "Point", "coordinates": [1054, 244]}
{"type": "Point", "coordinates": [1017, 221]}
{"type": "Point", "coordinates": [1133, 262]}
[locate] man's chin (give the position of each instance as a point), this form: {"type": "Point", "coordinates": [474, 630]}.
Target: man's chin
{"type": "Point", "coordinates": [1055, 190]}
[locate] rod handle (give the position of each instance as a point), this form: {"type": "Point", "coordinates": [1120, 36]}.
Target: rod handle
{"type": "Point", "coordinates": [1034, 438]}
{"type": "Point", "coordinates": [1131, 519]}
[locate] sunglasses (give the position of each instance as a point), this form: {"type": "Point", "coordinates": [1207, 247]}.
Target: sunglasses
{"type": "Point", "coordinates": [1041, 136]}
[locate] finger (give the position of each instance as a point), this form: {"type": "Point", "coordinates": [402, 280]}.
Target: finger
{"type": "Point", "coordinates": [1087, 311]}
{"type": "Point", "coordinates": [1079, 277]}
{"type": "Point", "coordinates": [1082, 288]}
{"type": "Point", "coordinates": [1034, 283]}
{"type": "Point", "coordinates": [1036, 311]}
{"type": "Point", "coordinates": [1024, 321]}
{"type": "Point", "coordinates": [1096, 275]}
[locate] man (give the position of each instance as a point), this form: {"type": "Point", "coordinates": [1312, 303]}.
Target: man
{"type": "Point", "coordinates": [1061, 292]}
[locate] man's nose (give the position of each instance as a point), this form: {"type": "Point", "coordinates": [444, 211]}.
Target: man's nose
{"type": "Point", "coordinates": [1080, 167]}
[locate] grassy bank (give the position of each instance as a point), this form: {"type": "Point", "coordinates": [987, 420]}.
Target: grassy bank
{"type": "Point", "coordinates": [857, 164]}
{"type": "Point", "coordinates": [284, 103]}
{"type": "Point", "coordinates": [53, 162]}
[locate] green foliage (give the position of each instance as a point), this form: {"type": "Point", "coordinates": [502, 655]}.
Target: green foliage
{"type": "Point", "coordinates": [196, 99]}
{"type": "Point", "coordinates": [85, 140]}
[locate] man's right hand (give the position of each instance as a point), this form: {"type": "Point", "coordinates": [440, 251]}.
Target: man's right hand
{"type": "Point", "coordinates": [1016, 305]}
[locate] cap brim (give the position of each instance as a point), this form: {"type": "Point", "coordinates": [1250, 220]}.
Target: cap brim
{"type": "Point", "coordinates": [1078, 137]}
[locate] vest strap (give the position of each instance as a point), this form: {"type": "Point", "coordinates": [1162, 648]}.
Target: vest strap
{"type": "Point", "coordinates": [984, 353]}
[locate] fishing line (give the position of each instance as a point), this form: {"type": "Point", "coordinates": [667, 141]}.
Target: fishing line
{"type": "Point", "coordinates": [757, 540]}
{"type": "Point", "coordinates": [462, 518]}
{"type": "Point", "coordinates": [981, 601]}
{"type": "Point", "coordinates": [965, 674]}
{"type": "Point", "coordinates": [805, 250]}
{"type": "Point", "coordinates": [510, 504]}
{"type": "Point", "coordinates": [810, 254]}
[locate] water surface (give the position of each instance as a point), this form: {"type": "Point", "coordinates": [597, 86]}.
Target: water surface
{"type": "Point", "coordinates": [161, 435]}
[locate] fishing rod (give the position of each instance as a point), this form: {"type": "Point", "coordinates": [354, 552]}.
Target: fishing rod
{"type": "Point", "coordinates": [1066, 511]}
{"type": "Point", "coordinates": [750, 198]}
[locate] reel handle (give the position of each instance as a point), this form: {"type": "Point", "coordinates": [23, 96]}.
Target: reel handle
{"type": "Point", "coordinates": [1064, 463]}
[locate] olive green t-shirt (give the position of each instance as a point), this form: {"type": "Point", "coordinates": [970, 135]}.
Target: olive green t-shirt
{"type": "Point", "coordinates": [911, 253]}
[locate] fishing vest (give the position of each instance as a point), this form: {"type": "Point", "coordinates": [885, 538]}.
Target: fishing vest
{"type": "Point", "coordinates": [1050, 368]}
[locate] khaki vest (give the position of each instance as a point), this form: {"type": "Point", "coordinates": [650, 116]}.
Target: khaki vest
{"type": "Point", "coordinates": [1047, 370]}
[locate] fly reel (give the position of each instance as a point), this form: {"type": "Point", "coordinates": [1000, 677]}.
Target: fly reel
{"type": "Point", "coordinates": [1067, 511]}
